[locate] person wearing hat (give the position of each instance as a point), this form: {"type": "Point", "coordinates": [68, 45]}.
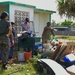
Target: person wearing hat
{"type": "Point", "coordinates": [5, 31]}
{"type": "Point", "coordinates": [47, 33]}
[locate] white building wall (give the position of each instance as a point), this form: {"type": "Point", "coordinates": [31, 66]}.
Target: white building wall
{"type": "Point", "coordinates": [43, 19]}
{"type": "Point", "coordinates": [20, 8]}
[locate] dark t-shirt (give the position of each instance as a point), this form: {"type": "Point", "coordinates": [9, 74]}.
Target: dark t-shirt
{"type": "Point", "coordinates": [4, 27]}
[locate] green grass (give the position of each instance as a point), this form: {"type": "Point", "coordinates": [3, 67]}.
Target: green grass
{"type": "Point", "coordinates": [70, 38]}
{"type": "Point", "coordinates": [66, 37]}
{"type": "Point", "coordinates": [20, 69]}
{"type": "Point", "coordinates": [28, 68]}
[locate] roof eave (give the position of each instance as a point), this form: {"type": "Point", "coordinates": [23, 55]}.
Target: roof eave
{"type": "Point", "coordinates": [15, 3]}
{"type": "Point", "coordinates": [43, 10]}
{"type": "Point", "coordinates": [26, 5]}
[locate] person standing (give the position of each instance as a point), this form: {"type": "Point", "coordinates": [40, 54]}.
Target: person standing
{"type": "Point", "coordinates": [12, 40]}
{"type": "Point", "coordinates": [5, 31]}
{"type": "Point", "coordinates": [26, 25]}
{"type": "Point", "coordinates": [47, 32]}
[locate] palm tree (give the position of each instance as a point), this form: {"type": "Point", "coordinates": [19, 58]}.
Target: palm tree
{"type": "Point", "coordinates": [66, 7]}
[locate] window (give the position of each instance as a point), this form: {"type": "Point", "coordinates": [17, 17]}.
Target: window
{"type": "Point", "coordinates": [19, 17]}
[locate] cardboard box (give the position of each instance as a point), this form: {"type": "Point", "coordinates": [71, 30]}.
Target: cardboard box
{"type": "Point", "coordinates": [69, 48]}
{"type": "Point", "coordinates": [71, 73]}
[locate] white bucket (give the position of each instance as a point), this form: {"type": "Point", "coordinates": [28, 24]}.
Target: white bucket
{"type": "Point", "coordinates": [21, 56]}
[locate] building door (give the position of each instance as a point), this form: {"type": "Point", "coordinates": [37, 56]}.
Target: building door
{"type": "Point", "coordinates": [36, 23]}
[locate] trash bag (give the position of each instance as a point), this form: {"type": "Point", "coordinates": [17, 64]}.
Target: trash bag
{"type": "Point", "coordinates": [25, 36]}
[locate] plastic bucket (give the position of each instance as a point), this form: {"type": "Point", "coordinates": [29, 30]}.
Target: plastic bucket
{"type": "Point", "coordinates": [27, 55]}
{"type": "Point", "coordinates": [21, 56]}
{"type": "Point", "coordinates": [60, 43]}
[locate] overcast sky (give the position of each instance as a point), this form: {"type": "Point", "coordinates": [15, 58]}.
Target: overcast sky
{"type": "Point", "coordinates": [44, 4]}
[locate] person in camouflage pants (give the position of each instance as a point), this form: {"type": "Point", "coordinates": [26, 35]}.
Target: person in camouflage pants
{"type": "Point", "coordinates": [4, 46]}
{"type": "Point", "coordinates": [5, 31]}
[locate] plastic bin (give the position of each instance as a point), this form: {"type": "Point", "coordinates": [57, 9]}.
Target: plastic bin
{"type": "Point", "coordinates": [27, 55]}
{"type": "Point", "coordinates": [37, 39]}
{"type": "Point", "coordinates": [38, 46]}
{"type": "Point", "coordinates": [69, 58]}
{"type": "Point", "coordinates": [27, 43]}
{"type": "Point", "coordinates": [21, 56]}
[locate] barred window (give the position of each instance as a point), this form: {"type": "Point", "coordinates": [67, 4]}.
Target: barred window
{"type": "Point", "coordinates": [19, 17]}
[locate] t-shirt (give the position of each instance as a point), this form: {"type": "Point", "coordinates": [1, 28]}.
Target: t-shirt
{"type": "Point", "coordinates": [28, 27]}
{"type": "Point", "coordinates": [4, 27]}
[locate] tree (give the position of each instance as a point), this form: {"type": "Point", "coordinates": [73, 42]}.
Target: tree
{"type": "Point", "coordinates": [73, 24]}
{"type": "Point", "coordinates": [58, 24]}
{"type": "Point", "coordinates": [66, 23]}
{"type": "Point", "coordinates": [53, 23]}
{"type": "Point", "coordinates": [66, 7]}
